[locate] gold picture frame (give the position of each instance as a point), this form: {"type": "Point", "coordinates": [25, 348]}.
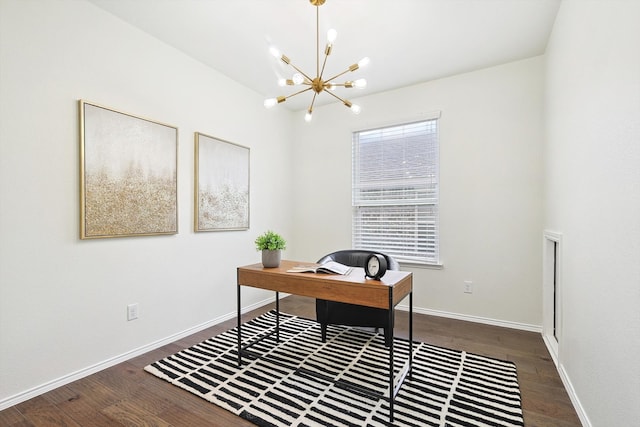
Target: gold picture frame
{"type": "Point", "coordinates": [221, 184]}
{"type": "Point", "coordinates": [128, 174]}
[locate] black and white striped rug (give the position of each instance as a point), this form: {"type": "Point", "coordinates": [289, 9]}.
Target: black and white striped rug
{"type": "Point", "coordinates": [299, 381]}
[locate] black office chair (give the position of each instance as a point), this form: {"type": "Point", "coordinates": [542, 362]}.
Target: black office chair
{"type": "Point", "coordinates": [339, 313]}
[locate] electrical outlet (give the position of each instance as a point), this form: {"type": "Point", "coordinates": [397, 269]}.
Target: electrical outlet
{"type": "Point", "coordinates": [468, 287]}
{"type": "Point", "coordinates": [132, 311]}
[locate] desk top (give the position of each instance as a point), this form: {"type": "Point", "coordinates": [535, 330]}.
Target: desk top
{"type": "Point", "coordinates": [352, 288]}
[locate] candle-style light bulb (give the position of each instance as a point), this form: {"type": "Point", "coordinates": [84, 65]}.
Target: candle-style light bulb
{"type": "Point", "coordinates": [275, 52]}
{"type": "Point", "coordinates": [360, 83]}
{"type": "Point", "coordinates": [298, 78]}
{"type": "Point", "coordinates": [331, 36]}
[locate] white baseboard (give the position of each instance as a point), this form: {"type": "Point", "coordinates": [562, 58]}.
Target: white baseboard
{"type": "Point", "coordinates": [66, 379]}
{"type": "Point", "coordinates": [551, 349]}
{"type": "Point", "coordinates": [568, 386]}
{"type": "Point", "coordinates": [476, 319]}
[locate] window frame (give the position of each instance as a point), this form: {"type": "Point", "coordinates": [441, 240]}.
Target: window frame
{"type": "Point", "coordinates": [421, 227]}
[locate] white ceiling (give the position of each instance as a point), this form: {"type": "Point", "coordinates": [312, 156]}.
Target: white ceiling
{"type": "Point", "coordinates": [408, 41]}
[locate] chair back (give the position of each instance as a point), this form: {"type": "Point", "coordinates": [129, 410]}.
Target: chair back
{"type": "Point", "coordinates": [357, 258]}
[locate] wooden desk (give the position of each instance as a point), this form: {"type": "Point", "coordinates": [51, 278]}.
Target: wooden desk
{"type": "Point", "coordinates": [353, 288]}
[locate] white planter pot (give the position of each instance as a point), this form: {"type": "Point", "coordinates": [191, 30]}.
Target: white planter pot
{"type": "Point", "coordinates": [271, 259]}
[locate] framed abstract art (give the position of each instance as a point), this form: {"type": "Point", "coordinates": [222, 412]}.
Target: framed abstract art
{"type": "Point", "coordinates": [221, 185]}
{"type": "Point", "coordinates": [128, 174]}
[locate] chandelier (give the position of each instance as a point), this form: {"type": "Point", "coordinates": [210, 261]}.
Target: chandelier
{"type": "Point", "coordinates": [318, 84]}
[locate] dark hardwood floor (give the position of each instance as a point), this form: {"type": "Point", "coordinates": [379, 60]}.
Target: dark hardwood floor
{"type": "Point", "coordinates": [125, 395]}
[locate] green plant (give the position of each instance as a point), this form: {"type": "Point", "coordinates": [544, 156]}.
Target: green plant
{"type": "Point", "coordinates": [270, 241]}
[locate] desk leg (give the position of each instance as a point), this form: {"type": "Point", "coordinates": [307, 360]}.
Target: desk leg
{"type": "Point", "coordinates": [239, 329]}
{"type": "Point", "coordinates": [410, 333]}
{"type": "Point", "coordinates": [391, 330]}
{"type": "Point", "coordinates": [277, 316]}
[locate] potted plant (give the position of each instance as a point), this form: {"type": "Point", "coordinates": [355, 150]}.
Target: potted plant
{"type": "Point", "coordinates": [271, 244]}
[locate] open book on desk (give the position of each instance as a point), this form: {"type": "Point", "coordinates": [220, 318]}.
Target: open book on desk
{"type": "Point", "coordinates": [330, 267]}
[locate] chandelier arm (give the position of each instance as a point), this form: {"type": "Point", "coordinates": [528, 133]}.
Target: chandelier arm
{"type": "Point", "coordinates": [297, 93]}
{"type": "Point", "coordinates": [313, 100]}
{"type": "Point", "coordinates": [324, 63]}
{"type": "Point", "coordinates": [301, 72]}
{"type": "Point", "coordinates": [344, 101]}
{"type": "Point", "coordinates": [337, 75]}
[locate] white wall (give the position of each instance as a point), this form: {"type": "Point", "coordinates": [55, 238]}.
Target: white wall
{"type": "Point", "coordinates": [592, 197]}
{"type": "Point", "coordinates": [63, 301]}
{"type": "Point", "coordinates": [491, 187]}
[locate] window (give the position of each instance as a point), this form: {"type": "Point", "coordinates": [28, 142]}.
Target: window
{"type": "Point", "coordinates": [395, 191]}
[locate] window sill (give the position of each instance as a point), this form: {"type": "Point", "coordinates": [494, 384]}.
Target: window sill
{"type": "Point", "coordinates": [438, 266]}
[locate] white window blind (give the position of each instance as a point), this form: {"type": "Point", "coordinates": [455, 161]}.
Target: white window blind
{"type": "Point", "coordinates": [395, 191]}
